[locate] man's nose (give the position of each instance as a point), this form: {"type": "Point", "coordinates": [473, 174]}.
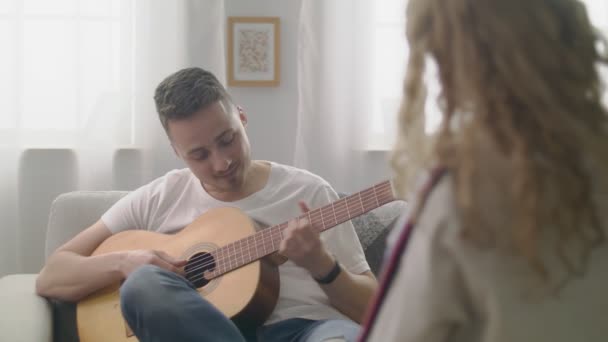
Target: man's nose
{"type": "Point", "coordinates": [221, 163]}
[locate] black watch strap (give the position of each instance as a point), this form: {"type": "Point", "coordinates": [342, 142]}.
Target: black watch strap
{"type": "Point", "coordinates": [331, 276]}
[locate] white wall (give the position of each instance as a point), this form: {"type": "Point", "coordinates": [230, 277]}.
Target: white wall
{"type": "Point", "coordinates": [273, 111]}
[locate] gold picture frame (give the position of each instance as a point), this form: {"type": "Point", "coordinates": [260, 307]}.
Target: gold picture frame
{"type": "Point", "coordinates": [254, 51]}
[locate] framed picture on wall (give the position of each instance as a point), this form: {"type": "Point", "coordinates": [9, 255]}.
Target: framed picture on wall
{"type": "Point", "coordinates": [253, 51]}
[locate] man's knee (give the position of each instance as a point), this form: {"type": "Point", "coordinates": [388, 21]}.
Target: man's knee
{"type": "Point", "coordinates": [335, 330]}
{"type": "Point", "coordinates": [144, 288]}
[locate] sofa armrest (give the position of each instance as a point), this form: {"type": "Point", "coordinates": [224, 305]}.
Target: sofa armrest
{"type": "Point", "coordinates": [24, 316]}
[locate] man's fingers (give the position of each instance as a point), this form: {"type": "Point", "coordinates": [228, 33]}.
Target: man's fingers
{"type": "Point", "coordinates": [173, 261]}
{"type": "Point", "coordinates": [303, 207]}
{"type": "Point", "coordinates": [160, 262]}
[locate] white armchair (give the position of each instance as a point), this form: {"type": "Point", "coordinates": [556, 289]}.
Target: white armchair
{"type": "Point", "coordinates": [26, 317]}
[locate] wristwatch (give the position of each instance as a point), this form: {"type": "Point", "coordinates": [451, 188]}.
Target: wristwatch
{"type": "Point", "coordinates": [331, 276]}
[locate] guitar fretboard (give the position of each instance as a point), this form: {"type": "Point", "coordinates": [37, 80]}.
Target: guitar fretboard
{"type": "Point", "coordinates": [244, 251]}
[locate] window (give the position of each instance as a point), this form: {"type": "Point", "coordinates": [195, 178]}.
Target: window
{"type": "Point", "coordinates": [598, 13]}
{"type": "Point", "coordinates": [388, 58]}
{"type": "Point", "coordinates": [65, 64]}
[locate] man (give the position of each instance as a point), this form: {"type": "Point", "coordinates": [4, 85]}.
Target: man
{"type": "Point", "coordinates": [207, 131]}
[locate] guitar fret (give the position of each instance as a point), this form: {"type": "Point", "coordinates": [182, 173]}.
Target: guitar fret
{"type": "Point", "coordinates": [373, 201]}
{"type": "Point", "coordinates": [320, 226]}
{"type": "Point", "coordinates": [225, 254]}
{"type": "Point", "coordinates": [232, 255]}
{"type": "Point", "coordinates": [225, 259]}
{"type": "Point", "coordinates": [269, 245]}
{"type": "Point", "coordinates": [333, 210]}
{"type": "Point", "coordinates": [255, 247]}
{"type": "Point", "coordinates": [347, 209]}
{"type": "Point", "coordinates": [325, 225]}
{"type": "Point", "coordinates": [263, 244]}
{"type": "Point", "coordinates": [238, 254]}
{"type": "Point", "coordinates": [258, 242]}
{"type": "Point", "coordinates": [343, 215]}
{"type": "Point", "coordinates": [361, 203]}
{"type": "Point", "coordinates": [250, 248]}
{"type": "Point", "coordinates": [376, 197]}
{"type": "Point", "coordinates": [271, 237]}
{"type": "Point", "coordinates": [244, 251]}
{"type": "Point", "coordinates": [228, 257]}
{"type": "Point", "coordinates": [259, 245]}
{"type": "Point", "coordinates": [235, 257]}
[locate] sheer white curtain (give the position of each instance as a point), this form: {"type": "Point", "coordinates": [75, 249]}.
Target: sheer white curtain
{"type": "Point", "coordinates": [351, 64]}
{"type": "Point", "coordinates": [76, 107]}
{"type": "Point", "coordinates": [598, 13]}
{"type": "Point", "coordinates": [334, 86]}
{"type": "Point", "coordinates": [351, 59]}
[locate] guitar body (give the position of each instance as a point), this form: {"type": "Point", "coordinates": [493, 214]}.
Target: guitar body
{"type": "Point", "coordinates": [247, 295]}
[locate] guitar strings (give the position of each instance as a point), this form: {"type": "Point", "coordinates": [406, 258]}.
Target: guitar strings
{"type": "Point", "coordinates": [338, 211]}
{"type": "Point", "coordinates": [345, 200]}
{"type": "Point", "coordinates": [198, 264]}
{"type": "Point", "coordinates": [341, 213]}
{"type": "Point", "coordinates": [225, 262]}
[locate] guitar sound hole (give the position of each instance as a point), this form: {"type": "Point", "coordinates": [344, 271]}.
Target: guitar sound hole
{"type": "Point", "coordinates": [197, 266]}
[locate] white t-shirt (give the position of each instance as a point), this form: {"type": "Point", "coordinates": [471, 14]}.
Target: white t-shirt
{"type": "Point", "coordinates": [170, 203]}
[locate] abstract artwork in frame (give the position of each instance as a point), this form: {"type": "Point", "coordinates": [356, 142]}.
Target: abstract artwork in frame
{"type": "Point", "coordinates": [253, 51]}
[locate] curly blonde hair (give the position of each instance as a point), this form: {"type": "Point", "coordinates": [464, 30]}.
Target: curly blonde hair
{"type": "Point", "coordinates": [525, 74]}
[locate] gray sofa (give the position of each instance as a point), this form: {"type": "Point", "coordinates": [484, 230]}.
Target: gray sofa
{"type": "Point", "coordinates": [26, 317]}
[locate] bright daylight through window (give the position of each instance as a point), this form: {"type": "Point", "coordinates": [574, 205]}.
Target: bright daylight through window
{"type": "Point", "coordinates": [388, 69]}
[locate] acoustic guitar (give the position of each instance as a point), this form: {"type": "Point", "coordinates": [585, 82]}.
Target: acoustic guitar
{"type": "Point", "coordinates": [230, 267]}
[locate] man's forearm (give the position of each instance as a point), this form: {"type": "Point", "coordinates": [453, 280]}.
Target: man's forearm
{"type": "Point", "coordinates": [350, 293]}
{"type": "Point", "coordinates": [71, 277]}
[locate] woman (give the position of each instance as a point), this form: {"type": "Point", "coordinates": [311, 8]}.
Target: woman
{"type": "Point", "coordinates": [509, 234]}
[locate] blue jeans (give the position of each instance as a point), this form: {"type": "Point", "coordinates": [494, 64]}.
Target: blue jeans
{"type": "Point", "coordinates": [162, 306]}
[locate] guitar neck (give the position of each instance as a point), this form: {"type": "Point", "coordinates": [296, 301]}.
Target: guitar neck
{"type": "Point", "coordinates": [244, 251]}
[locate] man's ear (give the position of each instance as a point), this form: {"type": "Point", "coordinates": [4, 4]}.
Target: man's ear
{"type": "Point", "coordinates": [242, 115]}
{"type": "Point", "coordinates": [175, 151]}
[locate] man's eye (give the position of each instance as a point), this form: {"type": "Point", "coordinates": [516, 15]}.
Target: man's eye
{"type": "Point", "coordinates": [228, 140]}
{"type": "Point", "coordinates": [201, 156]}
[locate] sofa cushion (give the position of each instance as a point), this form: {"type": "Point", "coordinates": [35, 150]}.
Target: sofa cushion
{"type": "Point", "coordinates": [24, 316]}
{"type": "Point", "coordinates": [372, 229]}
{"type": "Point", "coordinates": [71, 213]}
{"type": "Point", "coordinates": [74, 211]}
